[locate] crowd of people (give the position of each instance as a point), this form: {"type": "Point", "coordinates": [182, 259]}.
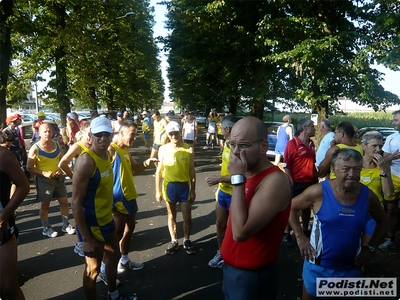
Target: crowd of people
{"type": "Point", "coordinates": [351, 191]}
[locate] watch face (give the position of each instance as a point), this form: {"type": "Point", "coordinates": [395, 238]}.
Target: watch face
{"type": "Point", "coordinates": [237, 179]}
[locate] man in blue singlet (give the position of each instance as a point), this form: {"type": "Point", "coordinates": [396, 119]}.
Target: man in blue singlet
{"type": "Point", "coordinates": [341, 210]}
{"type": "Point", "coordinates": [124, 194]}
{"type": "Point", "coordinates": [92, 206]}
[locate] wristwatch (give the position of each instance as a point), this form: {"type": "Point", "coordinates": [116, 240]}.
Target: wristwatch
{"type": "Point", "coordinates": [383, 175]}
{"type": "Point", "coordinates": [371, 249]}
{"type": "Point", "coordinates": [238, 179]}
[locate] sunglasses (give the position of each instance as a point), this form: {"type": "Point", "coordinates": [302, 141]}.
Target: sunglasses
{"type": "Point", "coordinates": [101, 134]}
{"type": "Point", "coordinates": [174, 133]}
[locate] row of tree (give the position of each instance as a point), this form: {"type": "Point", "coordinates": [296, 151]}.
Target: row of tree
{"type": "Point", "coordinates": [256, 53]}
{"type": "Point", "coordinates": [97, 52]}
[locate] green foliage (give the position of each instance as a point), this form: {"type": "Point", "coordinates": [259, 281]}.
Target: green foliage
{"type": "Point", "coordinates": [263, 52]}
{"type": "Point", "coordinates": [95, 52]}
{"type": "Point", "coordinates": [374, 119]}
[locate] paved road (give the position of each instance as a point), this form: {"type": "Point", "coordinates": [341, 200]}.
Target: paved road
{"type": "Point", "coordinates": [49, 269]}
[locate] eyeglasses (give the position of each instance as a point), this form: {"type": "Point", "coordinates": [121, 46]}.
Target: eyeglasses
{"type": "Point", "coordinates": [174, 133]}
{"type": "Point", "coordinates": [242, 146]}
{"type": "Point", "coordinates": [101, 134]}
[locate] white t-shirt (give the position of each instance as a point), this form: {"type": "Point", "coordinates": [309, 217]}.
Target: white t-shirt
{"type": "Point", "coordinates": [323, 147]}
{"type": "Point", "coordinates": [391, 145]}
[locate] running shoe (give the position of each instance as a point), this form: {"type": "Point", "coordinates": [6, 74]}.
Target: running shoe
{"type": "Point", "coordinates": [68, 229]}
{"type": "Point", "coordinates": [215, 261]}
{"type": "Point", "coordinates": [130, 265]}
{"type": "Point", "coordinates": [103, 277]}
{"type": "Point", "coordinates": [387, 245]}
{"type": "Point", "coordinates": [187, 245]}
{"type": "Point", "coordinates": [171, 248]}
{"type": "Point", "coordinates": [48, 231]}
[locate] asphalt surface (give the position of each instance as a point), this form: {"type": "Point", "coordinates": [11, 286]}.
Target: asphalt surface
{"type": "Point", "coordinates": [49, 269]}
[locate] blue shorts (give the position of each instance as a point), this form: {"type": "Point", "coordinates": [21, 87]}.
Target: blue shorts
{"type": "Point", "coordinates": [312, 271]}
{"type": "Point", "coordinates": [175, 192]}
{"type": "Point", "coordinates": [241, 284]}
{"type": "Point", "coordinates": [223, 199]}
{"type": "Point", "coordinates": [102, 233]}
{"type": "Point", "coordinates": [125, 207]}
{"type": "Point", "coordinates": [147, 136]}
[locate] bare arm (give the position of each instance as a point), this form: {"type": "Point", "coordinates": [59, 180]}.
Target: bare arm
{"type": "Point", "coordinates": [216, 179]}
{"type": "Point", "coordinates": [378, 214]}
{"type": "Point", "coordinates": [140, 167]}
{"type": "Point", "coordinates": [325, 165]}
{"type": "Point", "coordinates": [84, 169]}
{"type": "Point", "coordinates": [74, 151]}
{"type": "Point", "coordinates": [192, 173]}
{"type": "Point", "coordinates": [289, 131]}
{"type": "Point", "coordinates": [159, 170]}
{"type": "Point", "coordinates": [246, 222]}
{"type": "Point", "coordinates": [10, 165]}
{"type": "Point", "coordinates": [384, 168]}
{"type": "Point", "coordinates": [312, 196]}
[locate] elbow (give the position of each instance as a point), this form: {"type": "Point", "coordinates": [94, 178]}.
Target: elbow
{"type": "Point", "coordinates": [239, 236]}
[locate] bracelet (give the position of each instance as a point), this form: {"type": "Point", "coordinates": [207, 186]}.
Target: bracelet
{"type": "Point", "coordinates": [384, 175]}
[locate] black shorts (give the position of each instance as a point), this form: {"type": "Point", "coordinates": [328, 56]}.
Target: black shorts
{"type": "Point", "coordinates": [7, 236]}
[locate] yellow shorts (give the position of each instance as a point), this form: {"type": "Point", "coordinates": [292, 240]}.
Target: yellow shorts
{"type": "Point", "coordinates": [396, 184]}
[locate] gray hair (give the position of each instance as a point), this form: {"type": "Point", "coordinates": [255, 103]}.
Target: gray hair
{"type": "Point", "coordinates": [371, 135]}
{"type": "Point", "coordinates": [301, 124]}
{"type": "Point", "coordinates": [286, 118]}
{"type": "Point", "coordinates": [127, 124]}
{"type": "Point", "coordinates": [229, 121]}
{"type": "Point", "coordinates": [326, 122]}
{"type": "Point", "coordinates": [346, 154]}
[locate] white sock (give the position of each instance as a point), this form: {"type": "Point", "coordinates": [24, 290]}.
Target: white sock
{"type": "Point", "coordinates": [103, 267]}
{"type": "Point", "coordinates": [124, 259]}
{"type": "Point", "coordinates": [114, 295]}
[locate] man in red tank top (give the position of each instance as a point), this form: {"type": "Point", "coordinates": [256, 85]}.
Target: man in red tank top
{"type": "Point", "coordinates": [259, 211]}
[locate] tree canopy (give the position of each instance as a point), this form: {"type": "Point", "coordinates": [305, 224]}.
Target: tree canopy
{"type": "Point", "coordinates": [263, 52]}
{"type": "Point", "coordinates": [98, 53]}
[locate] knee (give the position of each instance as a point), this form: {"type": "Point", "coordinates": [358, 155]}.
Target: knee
{"type": "Point", "coordinates": [91, 272]}
{"type": "Point", "coordinates": [220, 225]}
{"type": "Point", "coordinates": [392, 210]}
{"type": "Point", "coordinates": [187, 219]}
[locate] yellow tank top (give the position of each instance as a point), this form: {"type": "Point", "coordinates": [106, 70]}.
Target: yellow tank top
{"type": "Point", "coordinates": [224, 186]}
{"type": "Point", "coordinates": [343, 146]}
{"type": "Point", "coordinates": [372, 179]}
{"type": "Point", "coordinates": [124, 183]}
{"type": "Point", "coordinates": [48, 161]}
{"type": "Point", "coordinates": [219, 128]}
{"type": "Point", "coordinates": [98, 200]}
{"type": "Point", "coordinates": [176, 163]}
{"type": "Point", "coordinates": [160, 136]}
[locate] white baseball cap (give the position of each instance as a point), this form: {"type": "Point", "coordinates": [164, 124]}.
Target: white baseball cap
{"type": "Point", "coordinates": [172, 126]}
{"type": "Point", "coordinates": [100, 124]}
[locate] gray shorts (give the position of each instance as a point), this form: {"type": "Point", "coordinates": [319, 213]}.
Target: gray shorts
{"type": "Point", "coordinates": [50, 188]}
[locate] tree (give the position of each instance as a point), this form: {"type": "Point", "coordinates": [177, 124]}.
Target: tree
{"type": "Point", "coordinates": [6, 11]}
{"type": "Point", "coordinates": [96, 52]}
{"type": "Point", "coordinates": [310, 52]}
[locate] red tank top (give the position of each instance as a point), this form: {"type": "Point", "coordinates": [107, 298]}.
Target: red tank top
{"type": "Point", "coordinates": [262, 249]}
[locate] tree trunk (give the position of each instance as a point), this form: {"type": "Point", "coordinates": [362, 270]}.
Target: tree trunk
{"type": "Point", "coordinates": [6, 10]}
{"type": "Point", "coordinates": [61, 71]}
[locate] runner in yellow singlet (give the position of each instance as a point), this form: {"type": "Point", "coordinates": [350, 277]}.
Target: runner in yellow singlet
{"type": "Point", "coordinates": [176, 168]}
